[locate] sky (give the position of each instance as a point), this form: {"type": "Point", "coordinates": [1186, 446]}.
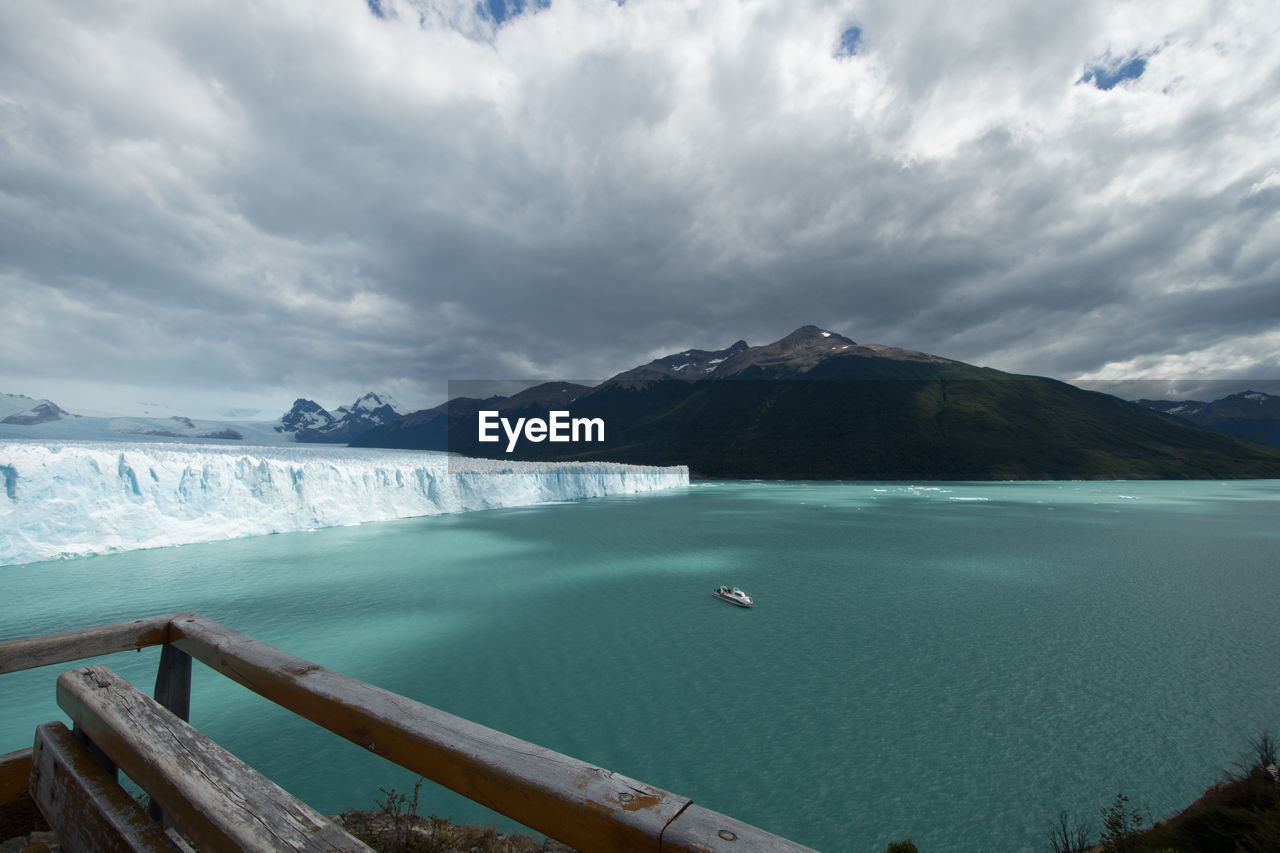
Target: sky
{"type": "Point", "coordinates": [221, 206]}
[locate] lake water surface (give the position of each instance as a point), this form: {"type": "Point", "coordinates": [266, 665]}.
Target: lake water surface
{"type": "Point", "coordinates": [952, 663]}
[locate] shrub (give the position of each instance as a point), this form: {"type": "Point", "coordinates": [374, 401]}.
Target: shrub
{"type": "Point", "coordinates": [1264, 750]}
{"type": "Point", "coordinates": [402, 812]}
{"type": "Point", "coordinates": [1120, 824]}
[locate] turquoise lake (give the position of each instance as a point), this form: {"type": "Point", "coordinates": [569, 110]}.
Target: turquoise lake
{"type": "Point", "coordinates": [953, 663]}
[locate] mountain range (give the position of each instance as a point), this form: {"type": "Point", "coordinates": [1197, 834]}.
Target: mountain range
{"type": "Point", "coordinates": [1251, 415]}
{"type": "Point", "coordinates": [816, 404]}
{"type": "Point", "coordinates": [307, 421]}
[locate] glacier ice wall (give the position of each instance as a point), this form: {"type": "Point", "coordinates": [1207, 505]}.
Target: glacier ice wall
{"type": "Point", "coordinates": [66, 499]}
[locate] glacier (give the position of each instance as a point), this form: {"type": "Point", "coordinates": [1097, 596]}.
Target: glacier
{"type": "Point", "coordinates": [71, 499]}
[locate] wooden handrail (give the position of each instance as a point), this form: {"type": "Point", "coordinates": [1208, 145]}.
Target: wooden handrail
{"type": "Point", "coordinates": [583, 806]}
{"type": "Point", "coordinates": [587, 807]}
{"type": "Point", "coordinates": [32, 652]}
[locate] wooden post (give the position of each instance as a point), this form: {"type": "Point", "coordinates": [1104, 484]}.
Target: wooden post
{"type": "Point", "coordinates": [96, 753]}
{"type": "Point", "coordinates": [173, 682]}
{"type": "Point", "coordinates": [173, 692]}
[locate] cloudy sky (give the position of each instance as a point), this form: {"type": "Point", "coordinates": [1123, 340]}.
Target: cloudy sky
{"type": "Point", "coordinates": [226, 205]}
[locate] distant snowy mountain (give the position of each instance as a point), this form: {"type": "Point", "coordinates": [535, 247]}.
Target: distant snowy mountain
{"type": "Point", "coordinates": [20, 410]}
{"type": "Point", "coordinates": [305, 416]}
{"type": "Point", "coordinates": [1250, 414]}
{"type": "Point", "coordinates": [309, 422]}
{"type": "Point", "coordinates": [371, 410]}
{"type": "Point", "coordinates": [23, 417]}
{"type": "Point", "coordinates": [306, 421]}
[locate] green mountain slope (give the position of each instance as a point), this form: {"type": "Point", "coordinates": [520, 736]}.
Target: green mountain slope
{"type": "Point", "coordinates": [813, 409]}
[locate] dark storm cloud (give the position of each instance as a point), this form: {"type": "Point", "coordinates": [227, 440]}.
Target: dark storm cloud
{"type": "Point", "coordinates": [270, 200]}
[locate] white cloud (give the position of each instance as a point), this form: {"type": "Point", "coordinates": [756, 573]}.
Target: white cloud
{"type": "Point", "coordinates": [1240, 357]}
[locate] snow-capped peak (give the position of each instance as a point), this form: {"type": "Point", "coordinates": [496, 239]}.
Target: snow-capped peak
{"type": "Point", "coordinates": [309, 422]}
{"type": "Point", "coordinates": [372, 400]}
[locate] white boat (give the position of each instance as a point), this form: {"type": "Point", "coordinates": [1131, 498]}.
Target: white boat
{"type": "Point", "coordinates": [734, 595]}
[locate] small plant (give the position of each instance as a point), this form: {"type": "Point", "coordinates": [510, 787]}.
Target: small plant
{"type": "Point", "coordinates": [401, 810]}
{"type": "Point", "coordinates": [1120, 825]}
{"type": "Point", "coordinates": [1069, 836]}
{"type": "Point", "coordinates": [394, 825]}
{"type": "Point", "coordinates": [907, 846]}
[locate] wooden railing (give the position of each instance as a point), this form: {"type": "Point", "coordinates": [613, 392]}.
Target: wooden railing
{"type": "Point", "coordinates": [589, 808]}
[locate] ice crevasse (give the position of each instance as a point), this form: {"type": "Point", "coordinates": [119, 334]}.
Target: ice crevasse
{"type": "Point", "coordinates": [78, 498]}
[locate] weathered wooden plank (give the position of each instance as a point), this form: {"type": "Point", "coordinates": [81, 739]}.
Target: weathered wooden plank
{"type": "Point", "coordinates": [85, 806]}
{"type": "Point", "coordinates": [31, 652]}
{"type": "Point", "coordinates": [581, 805]}
{"type": "Point", "coordinates": [15, 768]}
{"type": "Point", "coordinates": [699, 830]}
{"type": "Point", "coordinates": [213, 798]}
